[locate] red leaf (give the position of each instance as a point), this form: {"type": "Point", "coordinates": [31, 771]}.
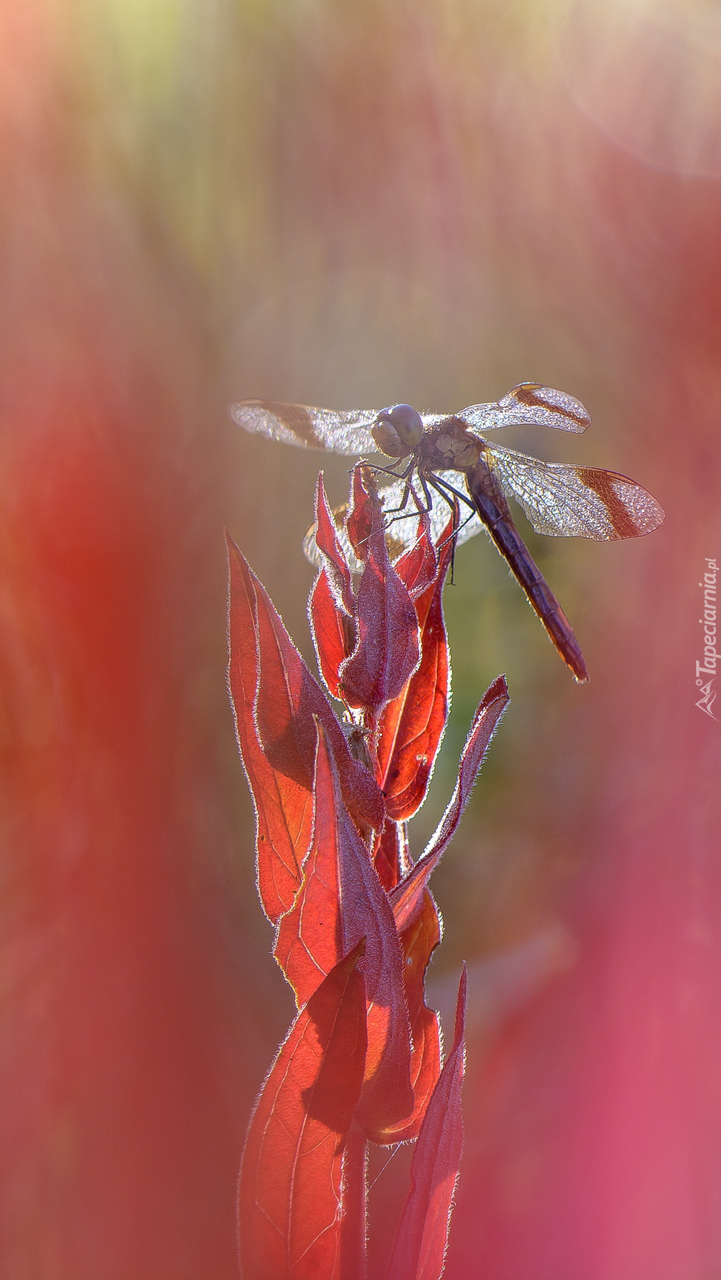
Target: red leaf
{"type": "Point", "coordinates": [340, 901]}
{"type": "Point", "coordinates": [309, 940]}
{"type": "Point", "coordinates": [355, 1207]}
{"type": "Point", "coordinates": [359, 520]}
{"type": "Point", "coordinates": [407, 895]}
{"type": "Point", "coordinates": [418, 942]}
{"type": "Point", "coordinates": [418, 566]}
{"type": "Point", "coordinates": [283, 807]}
{"type": "Point", "coordinates": [422, 1236]}
{"type": "Point", "coordinates": [287, 702]}
{"type": "Point", "coordinates": [412, 725]}
{"type": "Point", "coordinates": [333, 632]}
{"type": "Point", "coordinates": [289, 1197]}
{"type": "Point", "coordinates": [391, 858]}
{"type": "Point", "coordinates": [335, 563]}
{"type": "Point", "coordinates": [387, 647]}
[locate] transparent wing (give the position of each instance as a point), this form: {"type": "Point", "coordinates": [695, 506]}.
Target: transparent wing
{"type": "Point", "coordinates": [344, 431]}
{"type": "Point", "coordinates": [584, 502]}
{"type": "Point", "coordinates": [402, 526]}
{"type": "Point", "coordinates": [530, 403]}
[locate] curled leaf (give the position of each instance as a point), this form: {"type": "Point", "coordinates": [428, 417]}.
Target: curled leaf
{"type": "Point", "coordinates": [422, 1237]}
{"type": "Point", "coordinates": [406, 897]}
{"type": "Point", "coordinates": [418, 942]}
{"type": "Point", "coordinates": [334, 561]}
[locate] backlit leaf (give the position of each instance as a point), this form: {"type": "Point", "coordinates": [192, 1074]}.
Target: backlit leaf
{"type": "Point", "coordinates": [340, 901]}
{"type": "Point", "coordinates": [406, 897]}
{"type": "Point", "coordinates": [333, 632]}
{"type": "Point", "coordinates": [391, 857]}
{"type": "Point", "coordinates": [418, 566]}
{"type": "Point", "coordinates": [283, 807]}
{"type": "Point", "coordinates": [290, 1191]}
{"type": "Point", "coordinates": [387, 646]}
{"type": "Point", "coordinates": [411, 726]}
{"type": "Point", "coordinates": [359, 520]}
{"type": "Point", "coordinates": [422, 1236]}
{"type": "Point", "coordinates": [288, 701]}
{"type": "Point", "coordinates": [418, 942]}
{"type": "Point", "coordinates": [334, 561]}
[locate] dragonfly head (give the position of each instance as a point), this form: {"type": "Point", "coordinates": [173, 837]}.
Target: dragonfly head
{"type": "Point", "coordinates": [398, 431]}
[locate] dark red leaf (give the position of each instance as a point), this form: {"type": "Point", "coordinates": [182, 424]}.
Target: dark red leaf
{"type": "Point", "coordinates": [355, 1197]}
{"type": "Point", "coordinates": [411, 726]}
{"type": "Point", "coordinates": [406, 897]}
{"type": "Point", "coordinates": [283, 807]}
{"type": "Point", "coordinates": [418, 942]}
{"type": "Point", "coordinates": [333, 632]}
{"type": "Point", "coordinates": [359, 520]}
{"type": "Point", "coordinates": [391, 858]}
{"type": "Point", "coordinates": [290, 1197]}
{"type": "Point", "coordinates": [387, 647]}
{"type": "Point", "coordinates": [334, 561]}
{"type": "Point", "coordinates": [287, 702]}
{"type": "Point", "coordinates": [420, 1245]}
{"type": "Point", "coordinates": [340, 901]}
{"type": "Point", "coordinates": [310, 937]}
{"type": "Point", "coordinates": [418, 566]}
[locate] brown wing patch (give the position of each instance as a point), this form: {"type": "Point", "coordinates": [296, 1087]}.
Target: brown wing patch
{"type": "Point", "coordinates": [601, 482]}
{"type": "Point", "coordinates": [293, 416]}
{"type": "Point", "coordinates": [530, 393]}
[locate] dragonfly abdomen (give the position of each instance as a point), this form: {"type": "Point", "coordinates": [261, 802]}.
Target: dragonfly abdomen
{"type": "Point", "coordinates": [494, 511]}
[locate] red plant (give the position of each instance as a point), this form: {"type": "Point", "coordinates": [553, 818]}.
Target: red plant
{"type": "Point", "coordinates": [355, 922]}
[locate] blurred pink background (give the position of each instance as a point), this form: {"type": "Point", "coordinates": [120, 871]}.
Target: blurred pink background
{"type": "Point", "coordinates": [350, 206]}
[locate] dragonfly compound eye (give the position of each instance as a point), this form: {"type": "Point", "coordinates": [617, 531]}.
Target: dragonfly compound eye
{"type": "Point", "coordinates": [398, 431]}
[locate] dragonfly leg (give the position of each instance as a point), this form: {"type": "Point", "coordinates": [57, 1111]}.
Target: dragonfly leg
{"type": "Point", "coordinates": [444, 488]}
{"type": "Point", "coordinates": [388, 471]}
{"type": "Point", "coordinates": [408, 491]}
{"type": "Point", "coordinates": [399, 513]}
{"type": "Point", "coordinates": [460, 526]}
{"type": "Point", "coordinates": [440, 487]}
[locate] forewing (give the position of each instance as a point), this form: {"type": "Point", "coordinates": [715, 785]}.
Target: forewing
{"type": "Point", "coordinates": [570, 501]}
{"type": "Point", "coordinates": [344, 431]}
{"type": "Point", "coordinates": [529, 403]}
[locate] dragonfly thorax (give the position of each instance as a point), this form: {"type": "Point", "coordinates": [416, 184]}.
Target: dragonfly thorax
{"type": "Point", "coordinates": [451, 447]}
{"type": "Point", "coordinates": [398, 431]}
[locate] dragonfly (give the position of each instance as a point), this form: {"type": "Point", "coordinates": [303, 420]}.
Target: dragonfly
{"type": "Point", "coordinates": [445, 460]}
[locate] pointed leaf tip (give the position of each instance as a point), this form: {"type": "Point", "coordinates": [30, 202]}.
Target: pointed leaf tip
{"type": "Point", "coordinates": [407, 895]}
{"type": "Point", "coordinates": [387, 647]}
{"type": "Point", "coordinates": [282, 806]}
{"type": "Point", "coordinates": [334, 560]}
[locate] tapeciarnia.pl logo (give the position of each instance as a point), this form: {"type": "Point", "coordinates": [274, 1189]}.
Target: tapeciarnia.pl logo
{"type": "Point", "coordinates": [708, 622]}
